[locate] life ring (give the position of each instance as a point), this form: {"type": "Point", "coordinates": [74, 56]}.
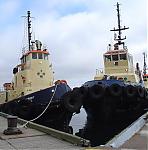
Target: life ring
{"type": "Point", "coordinates": [130, 91]}
{"type": "Point", "coordinates": [73, 100]}
{"type": "Point", "coordinates": [115, 90]}
{"type": "Point", "coordinates": [140, 91]}
{"type": "Point", "coordinates": [97, 91]}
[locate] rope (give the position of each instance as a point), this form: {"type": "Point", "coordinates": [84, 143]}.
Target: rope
{"type": "Point", "coordinates": [24, 125]}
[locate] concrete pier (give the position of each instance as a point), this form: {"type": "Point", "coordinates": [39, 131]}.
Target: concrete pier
{"type": "Point", "coordinates": [38, 137]}
{"type": "Point", "coordinates": [134, 137]}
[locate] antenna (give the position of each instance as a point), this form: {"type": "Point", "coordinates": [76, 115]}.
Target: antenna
{"type": "Point", "coordinates": [29, 32]}
{"type": "Point", "coordinates": [144, 66]}
{"type": "Point", "coordinates": [119, 29]}
{"type": "Point", "coordinates": [29, 27]}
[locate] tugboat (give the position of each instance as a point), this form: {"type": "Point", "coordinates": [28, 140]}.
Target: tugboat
{"type": "Point", "coordinates": [116, 97]}
{"type": "Point", "coordinates": [33, 95]}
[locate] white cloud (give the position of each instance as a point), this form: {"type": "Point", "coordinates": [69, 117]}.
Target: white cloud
{"type": "Point", "coordinates": [76, 40]}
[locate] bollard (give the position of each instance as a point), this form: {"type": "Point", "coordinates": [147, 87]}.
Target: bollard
{"type": "Point", "coordinates": [12, 126]}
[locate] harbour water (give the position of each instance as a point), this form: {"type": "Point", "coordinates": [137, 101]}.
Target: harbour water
{"type": "Point", "coordinates": [78, 120]}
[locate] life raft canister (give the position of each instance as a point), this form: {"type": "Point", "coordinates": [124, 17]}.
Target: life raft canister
{"type": "Point", "coordinates": [73, 100]}
{"type": "Point", "coordinates": [140, 91]}
{"type": "Point", "coordinates": [115, 90]}
{"type": "Point", "coordinates": [97, 91]}
{"type": "Point", "coordinates": [130, 91]}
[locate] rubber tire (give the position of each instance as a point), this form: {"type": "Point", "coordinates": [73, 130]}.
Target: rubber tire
{"type": "Point", "coordinates": [140, 91]}
{"type": "Point", "coordinates": [115, 90]}
{"type": "Point", "coordinates": [130, 91]}
{"type": "Point", "coordinates": [84, 91]}
{"type": "Point", "coordinates": [97, 91]}
{"type": "Point", "coordinates": [146, 94]}
{"type": "Point", "coordinates": [70, 97]}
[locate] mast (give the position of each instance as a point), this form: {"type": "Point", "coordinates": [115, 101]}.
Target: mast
{"type": "Point", "coordinates": [120, 28]}
{"type": "Point", "coordinates": [144, 66]}
{"type": "Point", "coordinates": [29, 27]}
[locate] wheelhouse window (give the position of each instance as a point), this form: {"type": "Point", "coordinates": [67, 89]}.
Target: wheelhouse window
{"type": "Point", "coordinates": [115, 57]}
{"type": "Point", "coordinates": [40, 56]}
{"type": "Point", "coordinates": [34, 55]}
{"type": "Point", "coordinates": [123, 57]}
{"type": "Point", "coordinates": [46, 56]}
{"type": "Point", "coordinates": [107, 57]}
{"type": "Point", "coordinates": [145, 77]}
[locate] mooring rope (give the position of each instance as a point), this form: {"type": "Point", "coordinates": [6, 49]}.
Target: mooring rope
{"type": "Point", "coordinates": [24, 125]}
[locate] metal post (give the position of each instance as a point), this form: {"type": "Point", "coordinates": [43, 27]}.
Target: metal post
{"type": "Point", "coordinates": [12, 126]}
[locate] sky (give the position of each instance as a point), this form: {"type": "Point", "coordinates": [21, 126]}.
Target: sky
{"type": "Point", "coordinates": [76, 33]}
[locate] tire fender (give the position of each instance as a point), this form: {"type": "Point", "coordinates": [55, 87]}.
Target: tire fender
{"type": "Point", "coordinates": [130, 91]}
{"type": "Point", "coordinates": [73, 100]}
{"type": "Point", "coordinates": [115, 90]}
{"type": "Point", "coordinates": [140, 91]}
{"type": "Point", "coordinates": [97, 91]}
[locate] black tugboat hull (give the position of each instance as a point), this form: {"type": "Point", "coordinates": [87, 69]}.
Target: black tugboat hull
{"type": "Point", "coordinates": [111, 106]}
{"type": "Point", "coordinates": [31, 106]}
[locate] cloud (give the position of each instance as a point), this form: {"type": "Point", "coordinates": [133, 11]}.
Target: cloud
{"type": "Point", "coordinates": [74, 41]}
{"type": "Point", "coordinates": [76, 33]}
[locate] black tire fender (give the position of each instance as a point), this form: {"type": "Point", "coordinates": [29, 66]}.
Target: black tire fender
{"type": "Point", "coordinates": [84, 91]}
{"type": "Point", "coordinates": [97, 91]}
{"type": "Point", "coordinates": [140, 91]}
{"type": "Point", "coordinates": [130, 91]}
{"type": "Point", "coordinates": [73, 100]}
{"type": "Point", "coordinates": [115, 90]}
{"type": "Point", "coordinates": [146, 94]}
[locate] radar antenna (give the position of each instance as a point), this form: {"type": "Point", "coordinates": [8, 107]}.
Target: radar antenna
{"type": "Point", "coordinates": [119, 29]}
{"type": "Point", "coordinates": [144, 65]}
{"type": "Point", "coordinates": [29, 32]}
